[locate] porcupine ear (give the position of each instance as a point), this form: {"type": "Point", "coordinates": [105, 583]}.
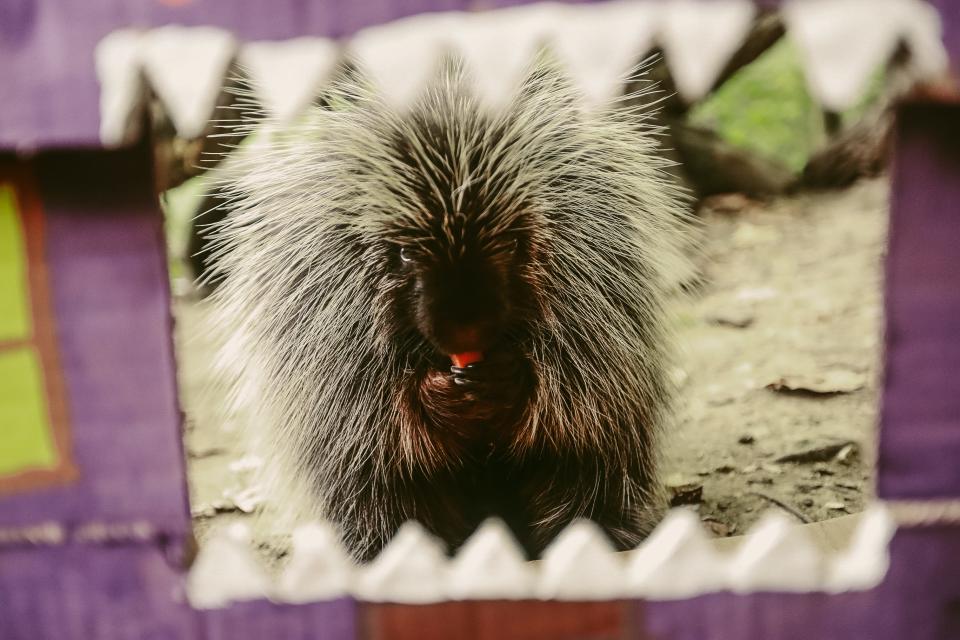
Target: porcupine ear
{"type": "Point", "coordinates": [344, 86]}
{"type": "Point", "coordinates": [547, 77]}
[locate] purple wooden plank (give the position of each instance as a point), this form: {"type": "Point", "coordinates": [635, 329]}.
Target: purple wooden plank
{"type": "Point", "coordinates": [950, 15]}
{"type": "Point", "coordinates": [108, 278]}
{"type": "Point", "coordinates": [920, 423]}
{"type": "Point", "coordinates": [258, 620]}
{"type": "Point", "coordinates": [46, 50]}
{"type": "Point", "coordinates": [82, 593]}
{"type": "Point", "coordinates": [130, 592]}
{"type": "Point", "coordinates": [920, 600]}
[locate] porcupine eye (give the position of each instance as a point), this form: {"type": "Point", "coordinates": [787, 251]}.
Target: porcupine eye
{"type": "Point", "coordinates": [405, 256]}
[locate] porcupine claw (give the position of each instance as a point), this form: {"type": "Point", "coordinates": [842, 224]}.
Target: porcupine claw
{"type": "Point", "coordinates": [467, 376]}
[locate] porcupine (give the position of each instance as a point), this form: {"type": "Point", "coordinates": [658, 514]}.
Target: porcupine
{"type": "Point", "coordinates": [371, 243]}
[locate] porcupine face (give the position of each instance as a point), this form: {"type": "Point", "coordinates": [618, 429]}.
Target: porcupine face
{"type": "Point", "coordinates": [463, 261]}
{"type": "Point", "coordinates": [460, 297]}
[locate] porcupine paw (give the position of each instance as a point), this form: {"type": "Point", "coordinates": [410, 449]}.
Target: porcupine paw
{"type": "Point", "coordinates": [473, 377]}
{"type": "Point", "coordinates": [499, 374]}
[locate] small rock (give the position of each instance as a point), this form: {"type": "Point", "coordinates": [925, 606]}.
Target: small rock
{"type": "Point", "coordinates": [750, 468]}
{"type": "Point", "coordinates": [725, 468]}
{"type": "Point", "coordinates": [807, 488]}
{"type": "Point", "coordinates": [806, 502]}
{"type": "Point", "coordinates": [835, 506]}
{"type": "Point", "coordinates": [246, 500]}
{"type": "Point", "coordinates": [771, 468]}
{"type": "Point", "coordinates": [245, 464]}
{"type": "Point", "coordinates": [848, 453]}
{"type": "Point", "coordinates": [746, 439]}
{"type": "Point", "coordinates": [823, 470]}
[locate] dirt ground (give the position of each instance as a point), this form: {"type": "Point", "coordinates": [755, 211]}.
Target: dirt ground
{"type": "Point", "coordinates": [778, 370]}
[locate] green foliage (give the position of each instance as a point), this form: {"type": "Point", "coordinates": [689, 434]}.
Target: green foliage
{"type": "Point", "coordinates": [180, 205]}
{"type": "Point", "coordinates": [766, 108]}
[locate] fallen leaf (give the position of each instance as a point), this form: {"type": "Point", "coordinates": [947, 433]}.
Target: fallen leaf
{"type": "Point", "coordinates": [719, 529]}
{"type": "Point", "coordinates": [687, 493]}
{"type": "Point", "coordinates": [728, 203]}
{"type": "Point", "coordinates": [826, 382]}
{"type": "Point", "coordinates": [736, 318]}
{"type": "Point", "coordinates": [818, 452]}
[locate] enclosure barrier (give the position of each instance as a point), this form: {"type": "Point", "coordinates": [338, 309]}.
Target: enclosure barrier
{"type": "Point", "coordinates": [841, 43]}
{"type": "Point", "coordinates": [676, 561]}
{"type": "Point", "coordinates": [94, 519]}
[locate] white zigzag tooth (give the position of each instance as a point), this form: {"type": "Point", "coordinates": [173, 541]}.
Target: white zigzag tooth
{"type": "Point", "coordinates": [922, 30]}
{"type": "Point", "coordinates": [777, 555]}
{"type": "Point", "coordinates": [287, 75]}
{"type": "Point", "coordinates": [411, 569]}
{"type": "Point", "coordinates": [599, 44]}
{"type": "Point", "coordinates": [491, 565]}
{"type": "Point", "coordinates": [676, 561]}
{"type": "Point", "coordinates": [500, 46]}
{"type": "Point", "coordinates": [698, 39]}
{"type": "Point", "coordinates": [842, 43]}
{"type": "Point", "coordinates": [226, 570]}
{"type": "Point", "coordinates": [186, 66]}
{"type": "Point", "coordinates": [319, 567]}
{"type": "Point", "coordinates": [401, 56]}
{"type": "Point", "coordinates": [581, 564]}
{"type": "Point", "coordinates": [121, 84]}
{"type": "Point", "coordinates": [864, 563]}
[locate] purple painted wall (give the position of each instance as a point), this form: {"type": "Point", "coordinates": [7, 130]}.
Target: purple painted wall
{"type": "Point", "coordinates": [131, 592]}
{"type": "Point", "coordinates": [950, 15]}
{"type": "Point", "coordinates": [46, 50]}
{"type": "Point", "coordinates": [108, 280]}
{"type": "Point", "coordinates": [920, 432]}
{"type": "Point", "coordinates": [919, 600]}
{"type": "Point", "coordinates": [130, 459]}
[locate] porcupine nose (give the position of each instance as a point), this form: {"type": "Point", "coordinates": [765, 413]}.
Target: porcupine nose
{"type": "Point", "coordinates": [465, 306]}
{"type": "Point", "coordinates": [468, 323]}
